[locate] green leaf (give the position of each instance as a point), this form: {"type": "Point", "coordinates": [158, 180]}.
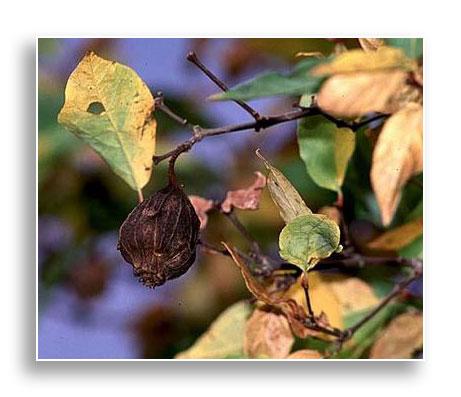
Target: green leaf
{"type": "Point", "coordinates": [325, 150]}
{"type": "Point", "coordinates": [413, 47]}
{"type": "Point", "coordinates": [224, 338]}
{"type": "Point", "coordinates": [307, 239]}
{"type": "Point", "coordinates": [414, 249]}
{"type": "Point", "coordinates": [297, 82]}
{"type": "Point", "coordinates": [283, 193]}
{"type": "Point", "coordinates": [110, 108]}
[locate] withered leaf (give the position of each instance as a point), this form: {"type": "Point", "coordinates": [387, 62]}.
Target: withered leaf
{"type": "Point", "coordinates": [267, 335]}
{"type": "Point", "coordinates": [402, 337]}
{"type": "Point", "coordinates": [305, 354]}
{"type": "Point", "coordinates": [289, 307]}
{"type": "Point", "coordinates": [397, 156]}
{"type": "Point", "coordinates": [283, 193]}
{"type": "Point", "coordinates": [384, 58]}
{"type": "Point", "coordinates": [358, 93]}
{"type": "Point", "coordinates": [245, 199]}
{"type": "Point", "coordinates": [255, 287]}
{"type": "Point", "coordinates": [201, 207]}
{"type": "Point", "coordinates": [370, 44]}
{"type": "Point", "coordinates": [397, 238]}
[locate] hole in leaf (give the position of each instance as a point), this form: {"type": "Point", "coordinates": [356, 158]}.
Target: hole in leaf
{"type": "Point", "coordinates": [96, 108]}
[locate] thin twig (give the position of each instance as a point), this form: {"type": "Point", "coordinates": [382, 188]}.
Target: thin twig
{"type": "Point", "coordinates": [357, 260]}
{"type": "Point", "coordinates": [243, 231]}
{"type": "Point", "coordinates": [192, 57]}
{"type": "Point", "coordinates": [160, 105]}
{"type": "Point", "coordinates": [263, 123]}
{"type": "Point", "coordinates": [398, 289]}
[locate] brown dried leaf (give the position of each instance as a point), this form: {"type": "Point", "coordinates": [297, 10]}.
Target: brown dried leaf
{"type": "Point", "coordinates": [402, 337]}
{"type": "Point", "coordinates": [296, 315]}
{"type": "Point", "coordinates": [355, 94]}
{"type": "Point", "coordinates": [254, 286]}
{"type": "Point", "coordinates": [398, 156]}
{"type": "Point", "coordinates": [268, 335]}
{"type": "Point", "coordinates": [305, 354]}
{"type": "Point", "coordinates": [371, 44]}
{"type": "Point", "coordinates": [395, 239]}
{"type": "Point", "coordinates": [245, 199]}
{"type": "Point", "coordinates": [201, 207]}
{"type": "Point", "coordinates": [289, 307]}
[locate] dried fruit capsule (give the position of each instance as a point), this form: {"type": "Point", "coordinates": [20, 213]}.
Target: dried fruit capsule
{"type": "Point", "coordinates": [160, 235]}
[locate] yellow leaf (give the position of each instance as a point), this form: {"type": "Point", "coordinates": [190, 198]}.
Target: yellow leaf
{"type": "Point", "coordinates": [268, 335]}
{"type": "Point", "coordinates": [371, 44]}
{"type": "Point", "coordinates": [398, 155]}
{"type": "Point", "coordinates": [224, 338]}
{"type": "Point", "coordinates": [109, 107]}
{"type": "Point", "coordinates": [402, 337]}
{"type": "Point", "coordinates": [335, 295]}
{"type": "Point", "coordinates": [395, 239]}
{"type": "Point", "coordinates": [352, 293]}
{"type": "Point", "coordinates": [305, 354]}
{"type": "Point", "coordinates": [321, 296]}
{"type": "Point", "coordinates": [384, 58]}
{"type": "Point", "coordinates": [355, 94]}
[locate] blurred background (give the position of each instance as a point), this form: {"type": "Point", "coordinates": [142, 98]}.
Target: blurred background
{"type": "Point", "coordinates": [90, 305]}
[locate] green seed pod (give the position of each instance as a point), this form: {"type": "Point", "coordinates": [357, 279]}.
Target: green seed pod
{"type": "Point", "coordinates": [159, 237]}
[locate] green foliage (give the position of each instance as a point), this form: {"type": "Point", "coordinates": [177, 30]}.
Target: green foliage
{"type": "Point", "coordinates": [325, 150]}
{"type": "Point", "coordinates": [314, 195]}
{"type": "Point", "coordinates": [307, 239]}
{"type": "Point", "coordinates": [297, 82]}
{"type": "Point", "coordinates": [414, 249]}
{"type": "Point", "coordinates": [413, 47]}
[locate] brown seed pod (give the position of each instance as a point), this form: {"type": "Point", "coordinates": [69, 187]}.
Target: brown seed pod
{"type": "Point", "coordinates": [159, 237]}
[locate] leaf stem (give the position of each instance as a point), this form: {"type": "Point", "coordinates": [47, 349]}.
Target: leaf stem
{"type": "Point", "coordinates": [140, 195]}
{"type": "Point", "coordinates": [305, 285]}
